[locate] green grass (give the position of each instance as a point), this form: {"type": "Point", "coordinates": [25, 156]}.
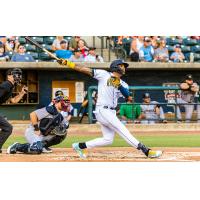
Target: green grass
{"type": "Point", "coordinates": [151, 141]}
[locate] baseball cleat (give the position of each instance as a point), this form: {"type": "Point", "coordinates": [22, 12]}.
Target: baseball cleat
{"type": "Point", "coordinates": [80, 152]}
{"type": "Point", "coordinates": [46, 150]}
{"type": "Point", "coordinates": [12, 149]}
{"type": "Point", "coordinates": [154, 154]}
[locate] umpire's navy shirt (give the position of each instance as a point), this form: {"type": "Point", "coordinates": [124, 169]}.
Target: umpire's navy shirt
{"type": "Point", "coordinates": [6, 89]}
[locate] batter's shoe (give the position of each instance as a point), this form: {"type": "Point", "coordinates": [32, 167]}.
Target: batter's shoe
{"type": "Point", "coordinates": [0, 151]}
{"type": "Point", "coordinates": [154, 154]}
{"type": "Point", "coordinates": [46, 150]}
{"type": "Point", "coordinates": [12, 149]}
{"type": "Point", "coordinates": [80, 152]}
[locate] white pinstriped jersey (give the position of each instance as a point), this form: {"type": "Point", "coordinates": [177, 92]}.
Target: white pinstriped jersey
{"type": "Point", "coordinates": [107, 95]}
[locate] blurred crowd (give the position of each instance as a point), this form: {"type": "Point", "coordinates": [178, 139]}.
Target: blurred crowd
{"type": "Point", "coordinates": [161, 48]}
{"type": "Point", "coordinates": [75, 49]}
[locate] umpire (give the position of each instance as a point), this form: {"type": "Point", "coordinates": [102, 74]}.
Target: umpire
{"type": "Point", "coordinates": [13, 78]}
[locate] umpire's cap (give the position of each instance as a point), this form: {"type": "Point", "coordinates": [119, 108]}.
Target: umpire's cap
{"type": "Point", "coordinates": [189, 77]}
{"type": "Point", "coordinates": [146, 95]}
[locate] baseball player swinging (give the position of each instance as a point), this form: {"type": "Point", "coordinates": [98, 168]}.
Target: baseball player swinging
{"type": "Point", "coordinates": [47, 128]}
{"type": "Point", "coordinates": [110, 86]}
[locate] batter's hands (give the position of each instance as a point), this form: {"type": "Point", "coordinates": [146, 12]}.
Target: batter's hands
{"type": "Point", "coordinates": [67, 63]}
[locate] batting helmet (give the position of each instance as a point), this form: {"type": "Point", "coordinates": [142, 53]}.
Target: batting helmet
{"type": "Point", "coordinates": [17, 75]}
{"type": "Point", "coordinates": [115, 66]}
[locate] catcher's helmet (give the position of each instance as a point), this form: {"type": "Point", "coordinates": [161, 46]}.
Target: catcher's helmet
{"type": "Point", "coordinates": [114, 66]}
{"type": "Point", "coordinates": [17, 75]}
{"type": "Point", "coordinates": [64, 102]}
{"type": "Point", "coordinates": [59, 93]}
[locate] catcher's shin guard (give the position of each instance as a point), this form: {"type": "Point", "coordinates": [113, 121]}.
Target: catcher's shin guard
{"type": "Point", "coordinates": [53, 140]}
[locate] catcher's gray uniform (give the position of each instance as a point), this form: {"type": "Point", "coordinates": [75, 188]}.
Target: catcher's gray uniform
{"type": "Point", "coordinates": [150, 114]}
{"type": "Point", "coordinates": [30, 135]}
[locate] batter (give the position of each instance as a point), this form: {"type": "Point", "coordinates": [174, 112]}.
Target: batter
{"type": "Point", "coordinates": [110, 86]}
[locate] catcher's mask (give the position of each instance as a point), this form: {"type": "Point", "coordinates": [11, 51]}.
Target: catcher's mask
{"type": "Point", "coordinates": [115, 66]}
{"type": "Point", "coordinates": [63, 100]}
{"type": "Point", "coordinates": [17, 75]}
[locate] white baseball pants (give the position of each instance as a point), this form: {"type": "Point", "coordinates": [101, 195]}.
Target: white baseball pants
{"type": "Point", "coordinates": [110, 125]}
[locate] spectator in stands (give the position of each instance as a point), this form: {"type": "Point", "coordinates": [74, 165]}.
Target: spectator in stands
{"type": "Point", "coordinates": [154, 41]}
{"type": "Point", "coordinates": [12, 44]}
{"type": "Point", "coordinates": [21, 55]}
{"type": "Point", "coordinates": [161, 53]}
{"type": "Point", "coordinates": [56, 43]}
{"type": "Point", "coordinates": [77, 57]}
{"type": "Point", "coordinates": [136, 45]}
{"type": "Point", "coordinates": [128, 112]}
{"type": "Point", "coordinates": [3, 56]}
{"type": "Point", "coordinates": [3, 40]}
{"type": "Point", "coordinates": [64, 52]}
{"type": "Point", "coordinates": [82, 46]}
{"type": "Point", "coordinates": [92, 56]}
{"type": "Point", "coordinates": [177, 55]}
{"type": "Point", "coordinates": [73, 44]}
{"type": "Point", "coordinates": [146, 52]}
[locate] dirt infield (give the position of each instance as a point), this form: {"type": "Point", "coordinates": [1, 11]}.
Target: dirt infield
{"type": "Point", "coordinates": [109, 154]}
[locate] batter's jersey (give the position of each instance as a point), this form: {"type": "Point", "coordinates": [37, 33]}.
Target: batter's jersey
{"type": "Point", "coordinates": [150, 110]}
{"type": "Point", "coordinates": [107, 94]}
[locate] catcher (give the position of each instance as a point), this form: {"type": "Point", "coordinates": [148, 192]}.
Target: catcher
{"type": "Point", "coordinates": [188, 92]}
{"type": "Point", "coordinates": [48, 127]}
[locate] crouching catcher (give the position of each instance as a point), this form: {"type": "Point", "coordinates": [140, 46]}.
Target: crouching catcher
{"type": "Point", "coordinates": [48, 127]}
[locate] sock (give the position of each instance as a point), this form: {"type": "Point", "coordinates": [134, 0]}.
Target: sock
{"type": "Point", "coordinates": [82, 145]}
{"type": "Point", "coordinates": [144, 149]}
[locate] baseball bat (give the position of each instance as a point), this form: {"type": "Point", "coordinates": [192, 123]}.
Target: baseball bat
{"type": "Point", "coordinates": [41, 47]}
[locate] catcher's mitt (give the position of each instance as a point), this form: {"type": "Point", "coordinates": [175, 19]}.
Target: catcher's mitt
{"type": "Point", "coordinates": [114, 81]}
{"type": "Point", "coordinates": [60, 130]}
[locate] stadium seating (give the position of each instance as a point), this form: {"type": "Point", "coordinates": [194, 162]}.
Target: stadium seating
{"type": "Point", "coordinates": [173, 41]}
{"type": "Point", "coordinates": [49, 39]}
{"type": "Point", "coordinates": [195, 49]}
{"type": "Point", "coordinates": [38, 39]}
{"type": "Point", "coordinates": [190, 42]}
{"type": "Point", "coordinates": [30, 47]}
{"type": "Point", "coordinates": [44, 57]}
{"type": "Point", "coordinates": [22, 40]}
{"type": "Point", "coordinates": [33, 54]}
{"type": "Point", "coordinates": [185, 49]}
